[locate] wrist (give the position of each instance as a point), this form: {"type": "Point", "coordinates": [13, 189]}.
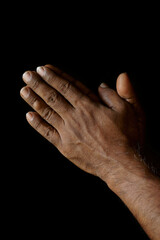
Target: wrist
{"type": "Point", "coordinates": [125, 172]}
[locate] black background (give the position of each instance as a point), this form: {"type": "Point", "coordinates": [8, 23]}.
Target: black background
{"type": "Point", "coordinates": [45, 193]}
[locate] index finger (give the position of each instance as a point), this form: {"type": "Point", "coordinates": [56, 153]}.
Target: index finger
{"type": "Point", "coordinates": [75, 82]}
{"type": "Point", "coordinates": [62, 85]}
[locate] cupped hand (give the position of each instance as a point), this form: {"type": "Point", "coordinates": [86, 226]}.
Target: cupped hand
{"type": "Point", "coordinates": [95, 137]}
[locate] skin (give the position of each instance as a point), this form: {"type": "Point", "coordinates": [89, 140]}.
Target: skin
{"type": "Point", "coordinates": [110, 137]}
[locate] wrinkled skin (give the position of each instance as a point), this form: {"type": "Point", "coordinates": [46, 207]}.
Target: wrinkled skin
{"type": "Point", "coordinates": [100, 134]}
{"type": "Point", "coordinates": [94, 136]}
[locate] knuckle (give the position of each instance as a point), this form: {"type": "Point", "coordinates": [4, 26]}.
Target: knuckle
{"type": "Point", "coordinates": [35, 83]}
{"type": "Point", "coordinates": [36, 104]}
{"type": "Point", "coordinates": [50, 77]}
{"type": "Point", "coordinates": [48, 133]}
{"type": "Point", "coordinates": [37, 125]}
{"type": "Point", "coordinates": [47, 113]}
{"type": "Point", "coordinates": [32, 100]}
{"type": "Point", "coordinates": [52, 97]}
{"type": "Point", "coordinates": [64, 87]}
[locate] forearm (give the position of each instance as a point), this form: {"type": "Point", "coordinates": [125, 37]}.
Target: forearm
{"type": "Point", "coordinates": [140, 191]}
{"type": "Point", "coordinates": [97, 138]}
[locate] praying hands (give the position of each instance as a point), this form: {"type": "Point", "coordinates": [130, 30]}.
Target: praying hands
{"type": "Point", "coordinates": [100, 134]}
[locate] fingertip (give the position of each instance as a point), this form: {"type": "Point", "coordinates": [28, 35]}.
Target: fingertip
{"type": "Point", "coordinates": [124, 74]}
{"type": "Point", "coordinates": [48, 65]}
{"type": "Point", "coordinates": [124, 86]}
{"type": "Point", "coordinates": [40, 70]}
{"type": "Point", "coordinates": [121, 78]}
{"type": "Point", "coordinates": [103, 85]}
{"type": "Point", "coordinates": [30, 116]}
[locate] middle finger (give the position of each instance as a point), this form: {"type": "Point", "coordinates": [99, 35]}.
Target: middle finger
{"type": "Point", "coordinates": [47, 93]}
{"type": "Point", "coordinates": [41, 107]}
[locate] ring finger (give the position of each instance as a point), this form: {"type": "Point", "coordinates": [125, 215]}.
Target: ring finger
{"type": "Point", "coordinates": [51, 97]}
{"type": "Point", "coordinates": [46, 112]}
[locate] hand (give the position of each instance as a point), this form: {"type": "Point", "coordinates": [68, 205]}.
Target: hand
{"type": "Point", "coordinates": [101, 139]}
{"type": "Point", "coordinates": [95, 137]}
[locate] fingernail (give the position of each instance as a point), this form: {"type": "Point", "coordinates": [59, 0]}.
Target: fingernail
{"type": "Point", "coordinates": [103, 85]}
{"type": "Point", "coordinates": [27, 76]}
{"type": "Point", "coordinates": [40, 70]}
{"type": "Point", "coordinates": [29, 116]}
{"type": "Point", "coordinates": [25, 92]}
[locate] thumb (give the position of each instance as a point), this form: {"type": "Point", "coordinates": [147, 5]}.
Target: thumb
{"type": "Point", "coordinates": [125, 89]}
